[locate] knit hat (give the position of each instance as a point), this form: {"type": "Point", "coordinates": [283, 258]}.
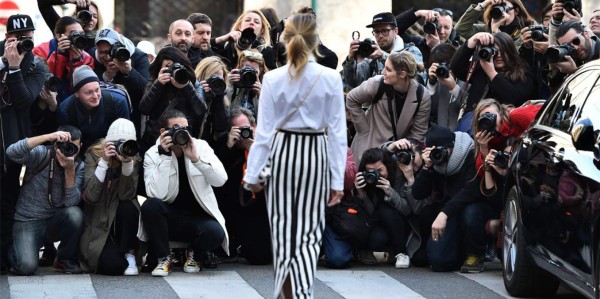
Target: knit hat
{"type": "Point", "coordinates": [439, 136]}
{"type": "Point", "coordinates": [82, 76]}
{"type": "Point", "coordinates": [121, 129]}
{"type": "Point", "coordinates": [16, 23]}
{"type": "Point", "coordinates": [147, 47]}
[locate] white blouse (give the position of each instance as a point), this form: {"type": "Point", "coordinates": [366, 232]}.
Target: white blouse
{"type": "Point", "coordinates": [323, 109]}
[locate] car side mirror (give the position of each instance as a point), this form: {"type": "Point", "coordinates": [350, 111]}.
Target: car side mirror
{"type": "Point", "coordinates": [585, 138]}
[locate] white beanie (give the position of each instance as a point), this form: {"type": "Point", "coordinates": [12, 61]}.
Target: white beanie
{"type": "Point", "coordinates": [121, 129]}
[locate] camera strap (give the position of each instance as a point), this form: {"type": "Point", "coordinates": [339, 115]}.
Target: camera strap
{"type": "Point", "coordinates": [51, 175]}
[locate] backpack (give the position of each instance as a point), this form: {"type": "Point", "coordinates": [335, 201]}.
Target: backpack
{"type": "Point", "coordinates": [107, 90]}
{"type": "Point", "coordinates": [115, 88]}
{"type": "Point", "coordinates": [351, 222]}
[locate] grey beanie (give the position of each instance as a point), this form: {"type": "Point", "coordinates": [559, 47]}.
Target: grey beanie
{"type": "Point", "coordinates": [82, 76]}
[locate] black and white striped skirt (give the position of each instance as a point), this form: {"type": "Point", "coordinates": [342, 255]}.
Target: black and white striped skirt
{"type": "Point", "coordinates": [297, 192]}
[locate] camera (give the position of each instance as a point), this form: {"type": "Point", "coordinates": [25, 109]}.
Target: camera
{"type": "Point", "coordinates": [558, 53]}
{"type": "Point", "coordinates": [571, 6]}
{"type": "Point", "coordinates": [442, 71]}
{"type": "Point", "coordinates": [365, 48]}
{"type": "Point", "coordinates": [217, 84]}
{"type": "Point", "coordinates": [52, 82]}
{"type": "Point", "coordinates": [487, 53]}
{"type": "Point", "coordinates": [69, 149]}
{"type": "Point", "coordinates": [24, 44]}
{"type": "Point", "coordinates": [431, 27]}
{"type": "Point", "coordinates": [246, 132]}
{"type": "Point", "coordinates": [247, 77]}
{"type": "Point", "coordinates": [126, 148]}
{"type": "Point", "coordinates": [85, 16]}
{"type": "Point", "coordinates": [438, 155]}
{"type": "Point", "coordinates": [179, 134]}
{"type": "Point", "coordinates": [498, 11]}
{"type": "Point", "coordinates": [501, 159]}
{"type": "Point", "coordinates": [179, 73]}
{"type": "Point", "coordinates": [78, 39]}
{"type": "Point", "coordinates": [537, 33]}
{"type": "Point", "coordinates": [403, 156]}
{"type": "Point", "coordinates": [119, 52]}
{"type": "Point", "coordinates": [487, 122]}
{"type": "Point", "coordinates": [371, 176]}
{"type": "Point", "coordinates": [247, 39]}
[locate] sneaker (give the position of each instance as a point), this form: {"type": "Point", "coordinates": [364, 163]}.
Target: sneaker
{"type": "Point", "coordinates": [190, 265]}
{"type": "Point", "coordinates": [132, 268]}
{"type": "Point", "coordinates": [402, 261]}
{"type": "Point", "coordinates": [366, 257]}
{"type": "Point", "coordinates": [67, 266]}
{"type": "Point", "coordinates": [473, 264]}
{"type": "Point", "coordinates": [490, 252]}
{"type": "Point", "coordinates": [163, 268]}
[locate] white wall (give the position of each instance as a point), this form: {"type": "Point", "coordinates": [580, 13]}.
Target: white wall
{"type": "Point", "coordinates": [42, 32]}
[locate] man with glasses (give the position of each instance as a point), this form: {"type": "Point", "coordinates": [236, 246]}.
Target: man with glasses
{"type": "Point", "coordinates": [586, 48]}
{"type": "Point", "coordinates": [21, 80]}
{"type": "Point", "coordinates": [358, 68]}
{"type": "Point", "coordinates": [438, 17]}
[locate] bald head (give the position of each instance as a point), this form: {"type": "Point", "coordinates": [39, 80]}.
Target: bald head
{"type": "Point", "coordinates": [181, 35]}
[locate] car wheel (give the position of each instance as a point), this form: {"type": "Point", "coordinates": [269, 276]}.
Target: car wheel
{"type": "Point", "coordinates": [522, 278]}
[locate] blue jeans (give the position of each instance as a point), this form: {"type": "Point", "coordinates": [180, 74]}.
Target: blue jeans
{"type": "Point", "coordinates": [337, 252]}
{"type": "Point", "coordinates": [65, 226]}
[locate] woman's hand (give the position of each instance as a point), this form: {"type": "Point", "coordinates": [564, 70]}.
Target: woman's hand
{"type": "Point", "coordinates": [426, 159]}
{"type": "Point", "coordinates": [384, 185]}
{"type": "Point", "coordinates": [109, 151]}
{"type": "Point", "coordinates": [359, 181]}
{"type": "Point", "coordinates": [256, 88]}
{"type": "Point", "coordinates": [488, 68]}
{"type": "Point", "coordinates": [234, 76]}
{"type": "Point", "coordinates": [163, 76]}
{"type": "Point", "coordinates": [481, 38]}
{"type": "Point", "coordinates": [483, 138]}
{"type": "Point", "coordinates": [439, 226]}
{"type": "Point", "coordinates": [402, 144]}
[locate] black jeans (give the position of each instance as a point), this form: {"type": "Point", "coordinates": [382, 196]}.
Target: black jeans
{"type": "Point", "coordinates": [121, 239]}
{"type": "Point", "coordinates": [164, 223]}
{"type": "Point", "coordinates": [9, 182]}
{"type": "Point", "coordinates": [389, 230]}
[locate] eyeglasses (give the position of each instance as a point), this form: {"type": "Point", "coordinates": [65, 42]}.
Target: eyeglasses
{"type": "Point", "coordinates": [384, 32]}
{"type": "Point", "coordinates": [576, 41]}
{"type": "Point", "coordinates": [444, 12]}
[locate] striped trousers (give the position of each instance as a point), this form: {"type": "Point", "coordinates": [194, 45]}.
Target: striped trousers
{"type": "Point", "coordinates": [297, 192]}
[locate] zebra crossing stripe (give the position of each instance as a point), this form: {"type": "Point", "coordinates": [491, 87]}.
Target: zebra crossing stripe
{"type": "Point", "coordinates": [51, 286]}
{"type": "Point", "coordinates": [211, 284]}
{"type": "Point", "coordinates": [365, 284]}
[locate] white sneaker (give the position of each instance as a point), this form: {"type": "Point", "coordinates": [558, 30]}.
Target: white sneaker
{"type": "Point", "coordinates": [132, 268]}
{"type": "Point", "coordinates": [402, 261]}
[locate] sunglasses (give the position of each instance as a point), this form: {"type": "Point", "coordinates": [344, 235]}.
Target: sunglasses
{"type": "Point", "coordinates": [576, 41]}
{"type": "Point", "coordinates": [444, 12]}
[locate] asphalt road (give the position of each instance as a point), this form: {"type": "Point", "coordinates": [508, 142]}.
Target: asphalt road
{"type": "Point", "coordinates": [237, 280]}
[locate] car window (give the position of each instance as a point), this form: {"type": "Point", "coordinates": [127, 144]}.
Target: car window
{"type": "Point", "coordinates": [562, 112]}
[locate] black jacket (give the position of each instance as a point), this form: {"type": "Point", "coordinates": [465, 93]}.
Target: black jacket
{"type": "Point", "coordinates": [23, 87]}
{"type": "Point", "coordinates": [454, 191]}
{"type": "Point", "coordinates": [501, 88]}
{"type": "Point", "coordinates": [135, 82]}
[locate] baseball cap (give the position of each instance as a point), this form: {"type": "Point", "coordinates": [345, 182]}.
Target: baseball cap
{"type": "Point", "coordinates": [16, 23]}
{"type": "Point", "coordinates": [108, 35]}
{"type": "Point", "coordinates": [383, 18]}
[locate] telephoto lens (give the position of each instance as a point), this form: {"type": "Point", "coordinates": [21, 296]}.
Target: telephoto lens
{"type": "Point", "coordinates": [487, 122]}
{"type": "Point", "coordinates": [403, 156]}
{"type": "Point", "coordinates": [558, 53]}
{"type": "Point", "coordinates": [365, 48]}
{"type": "Point", "coordinates": [247, 77]}
{"type": "Point", "coordinates": [68, 149]}
{"type": "Point", "coordinates": [217, 84]}
{"type": "Point", "coordinates": [431, 27]}
{"type": "Point", "coordinates": [85, 16]}
{"type": "Point", "coordinates": [501, 159]}
{"type": "Point", "coordinates": [53, 83]}
{"type": "Point", "coordinates": [246, 39]}
{"type": "Point", "coordinates": [24, 44]}
{"type": "Point", "coordinates": [179, 73]}
{"type": "Point", "coordinates": [438, 155]}
{"type": "Point", "coordinates": [442, 71]}
{"type": "Point", "coordinates": [487, 53]}
{"type": "Point", "coordinates": [119, 52]}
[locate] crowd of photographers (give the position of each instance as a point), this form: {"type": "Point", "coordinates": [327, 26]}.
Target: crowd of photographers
{"type": "Point", "coordinates": [98, 121]}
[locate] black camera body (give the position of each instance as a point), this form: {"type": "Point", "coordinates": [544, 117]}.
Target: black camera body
{"type": "Point", "coordinates": [498, 11]}
{"type": "Point", "coordinates": [127, 148]}
{"type": "Point", "coordinates": [246, 132]}
{"type": "Point", "coordinates": [217, 84]}
{"type": "Point", "coordinates": [85, 16]}
{"type": "Point", "coordinates": [179, 135]}
{"type": "Point", "coordinates": [69, 149]}
{"type": "Point", "coordinates": [179, 73]}
{"type": "Point", "coordinates": [52, 82]}
{"type": "Point", "coordinates": [247, 38]}
{"type": "Point", "coordinates": [487, 122]}
{"type": "Point", "coordinates": [119, 52]}
{"type": "Point", "coordinates": [371, 176]}
{"type": "Point", "coordinates": [247, 77]}
{"type": "Point", "coordinates": [78, 39]}
{"type": "Point", "coordinates": [431, 27]}
{"type": "Point", "coordinates": [487, 53]}
{"type": "Point", "coordinates": [501, 159]}
{"type": "Point", "coordinates": [571, 6]}
{"type": "Point", "coordinates": [24, 44]}
{"type": "Point", "coordinates": [537, 33]}
{"type": "Point", "coordinates": [365, 48]}
{"type": "Point", "coordinates": [558, 53]}
{"type": "Point", "coordinates": [403, 156]}
{"type": "Point", "coordinates": [442, 71]}
{"type": "Point", "coordinates": [439, 155]}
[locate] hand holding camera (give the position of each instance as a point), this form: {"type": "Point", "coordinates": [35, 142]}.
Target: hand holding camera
{"type": "Point", "coordinates": [121, 66]}
{"type": "Point", "coordinates": [233, 136]}
{"type": "Point", "coordinates": [428, 15]}
{"type": "Point", "coordinates": [384, 185]}
{"type": "Point", "coordinates": [12, 53]}
{"type": "Point", "coordinates": [426, 157]}
{"type": "Point", "coordinates": [359, 181]}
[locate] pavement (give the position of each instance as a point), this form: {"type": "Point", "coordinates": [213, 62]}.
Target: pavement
{"type": "Point", "coordinates": [238, 280]}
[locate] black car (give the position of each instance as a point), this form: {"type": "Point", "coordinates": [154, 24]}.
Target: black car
{"type": "Point", "coordinates": [552, 209]}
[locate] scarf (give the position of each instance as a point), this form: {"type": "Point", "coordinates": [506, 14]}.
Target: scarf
{"type": "Point", "coordinates": [463, 144]}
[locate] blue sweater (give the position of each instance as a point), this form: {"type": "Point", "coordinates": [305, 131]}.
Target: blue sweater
{"type": "Point", "coordinates": [33, 200]}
